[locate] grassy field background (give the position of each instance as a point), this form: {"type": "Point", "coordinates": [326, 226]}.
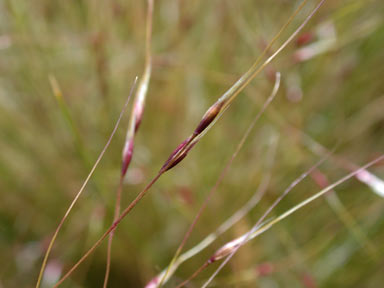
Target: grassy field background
{"type": "Point", "coordinates": [332, 91]}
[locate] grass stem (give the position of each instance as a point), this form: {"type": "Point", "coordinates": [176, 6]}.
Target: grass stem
{"type": "Point", "coordinates": [47, 253]}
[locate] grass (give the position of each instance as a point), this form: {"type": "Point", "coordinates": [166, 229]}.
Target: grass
{"type": "Point", "coordinates": [64, 78]}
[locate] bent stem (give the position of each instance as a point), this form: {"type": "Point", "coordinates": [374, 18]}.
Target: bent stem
{"type": "Point", "coordinates": [47, 253]}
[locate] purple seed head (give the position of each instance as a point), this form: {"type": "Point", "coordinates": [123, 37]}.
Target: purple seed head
{"type": "Point", "coordinates": [176, 160]}
{"type": "Point", "coordinates": [127, 156]}
{"type": "Point", "coordinates": [177, 155]}
{"type": "Point", "coordinates": [182, 150]}
{"type": "Point", "coordinates": [208, 117]}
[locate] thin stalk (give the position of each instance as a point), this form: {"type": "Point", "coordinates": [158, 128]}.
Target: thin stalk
{"type": "Point", "coordinates": [233, 245]}
{"type": "Point", "coordinates": [111, 228]}
{"type": "Point", "coordinates": [116, 215]}
{"type": "Point", "coordinates": [375, 183]}
{"type": "Point", "coordinates": [370, 179]}
{"type": "Point", "coordinates": [224, 173]}
{"type": "Point", "coordinates": [203, 267]}
{"type": "Point", "coordinates": [197, 272]}
{"type": "Point", "coordinates": [239, 214]}
{"type": "Point", "coordinates": [78, 140]}
{"type": "Point", "coordinates": [73, 128]}
{"type": "Point", "coordinates": [133, 126]}
{"type": "Point", "coordinates": [47, 253]}
{"type": "Point", "coordinates": [345, 217]}
{"type": "Point", "coordinates": [253, 233]}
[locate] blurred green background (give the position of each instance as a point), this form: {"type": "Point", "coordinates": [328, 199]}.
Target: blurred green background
{"type": "Point", "coordinates": [332, 89]}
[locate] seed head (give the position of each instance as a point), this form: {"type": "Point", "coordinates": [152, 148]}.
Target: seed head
{"type": "Point", "coordinates": [177, 155]}
{"type": "Point", "coordinates": [182, 150]}
{"type": "Point", "coordinates": [227, 249]}
{"type": "Point", "coordinates": [127, 156]}
{"type": "Point", "coordinates": [208, 117]}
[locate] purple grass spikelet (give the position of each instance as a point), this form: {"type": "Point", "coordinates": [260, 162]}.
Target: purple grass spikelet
{"type": "Point", "coordinates": [182, 150]}
{"type": "Point", "coordinates": [127, 156]}
{"type": "Point", "coordinates": [208, 117]}
{"type": "Point", "coordinates": [177, 155]}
